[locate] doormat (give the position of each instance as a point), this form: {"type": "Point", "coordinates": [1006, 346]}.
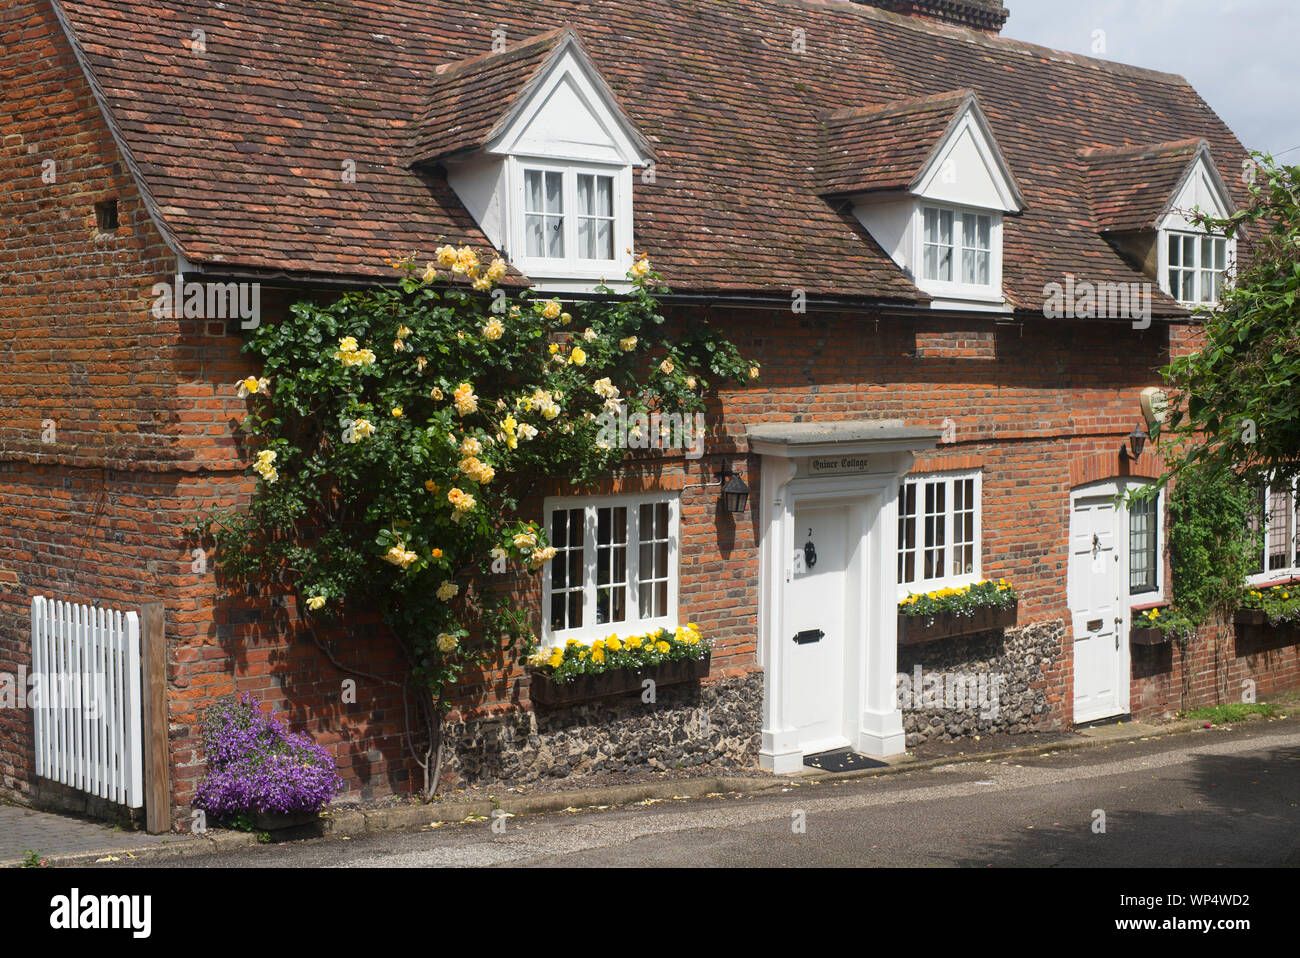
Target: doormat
{"type": "Point", "coordinates": [841, 760]}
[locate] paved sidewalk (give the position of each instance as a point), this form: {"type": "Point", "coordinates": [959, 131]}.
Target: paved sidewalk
{"type": "Point", "coordinates": [49, 834]}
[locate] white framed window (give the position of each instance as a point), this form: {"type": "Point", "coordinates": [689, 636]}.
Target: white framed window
{"type": "Point", "coordinates": [960, 252]}
{"type": "Point", "coordinates": [1197, 264]}
{"type": "Point", "coordinates": [939, 531]}
{"type": "Point", "coordinates": [1277, 513]}
{"type": "Point", "coordinates": [615, 569]}
{"type": "Point", "coordinates": [573, 219]}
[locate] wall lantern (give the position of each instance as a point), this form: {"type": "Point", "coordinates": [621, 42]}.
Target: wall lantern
{"type": "Point", "coordinates": [735, 494]}
{"type": "Point", "coordinates": [1137, 441]}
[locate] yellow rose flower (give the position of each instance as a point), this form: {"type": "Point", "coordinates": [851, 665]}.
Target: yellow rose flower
{"type": "Point", "coordinates": [578, 357]}
{"type": "Point", "coordinates": [316, 602]}
{"type": "Point", "coordinates": [552, 310]}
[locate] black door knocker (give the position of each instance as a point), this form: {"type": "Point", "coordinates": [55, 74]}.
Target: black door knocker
{"type": "Point", "coordinates": [809, 552]}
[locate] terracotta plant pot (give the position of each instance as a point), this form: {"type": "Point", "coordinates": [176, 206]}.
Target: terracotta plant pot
{"type": "Point", "coordinates": [914, 629]}
{"type": "Point", "coordinates": [544, 691]}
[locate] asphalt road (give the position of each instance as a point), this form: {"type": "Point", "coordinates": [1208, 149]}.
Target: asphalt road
{"type": "Point", "coordinates": [1220, 797]}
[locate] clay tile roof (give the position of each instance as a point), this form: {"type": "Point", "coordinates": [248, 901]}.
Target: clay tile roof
{"type": "Point", "coordinates": [885, 147]}
{"type": "Point", "coordinates": [470, 97]}
{"type": "Point", "coordinates": [238, 149]}
{"type": "Point", "coordinates": [1131, 187]}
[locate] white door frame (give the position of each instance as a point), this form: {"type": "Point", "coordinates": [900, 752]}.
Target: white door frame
{"type": "Point", "coordinates": [1120, 534]}
{"type": "Point", "coordinates": [873, 721]}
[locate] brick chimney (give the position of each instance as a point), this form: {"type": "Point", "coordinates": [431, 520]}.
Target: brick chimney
{"type": "Point", "coordinates": [985, 15]}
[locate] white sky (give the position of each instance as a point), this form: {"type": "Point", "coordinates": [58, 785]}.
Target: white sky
{"type": "Point", "coordinates": [1243, 56]}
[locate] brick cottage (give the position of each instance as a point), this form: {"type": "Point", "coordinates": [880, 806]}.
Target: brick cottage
{"type": "Point", "coordinates": [960, 260]}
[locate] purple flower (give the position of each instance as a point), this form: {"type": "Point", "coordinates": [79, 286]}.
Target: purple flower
{"type": "Point", "coordinates": [256, 764]}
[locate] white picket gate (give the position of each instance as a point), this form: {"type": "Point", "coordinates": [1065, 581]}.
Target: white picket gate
{"type": "Point", "coordinates": [88, 707]}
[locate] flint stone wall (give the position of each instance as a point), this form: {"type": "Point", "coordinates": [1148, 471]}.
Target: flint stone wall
{"type": "Point", "coordinates": [713, 724]}
{"type": "Point", "coordinates": [1020, 658]}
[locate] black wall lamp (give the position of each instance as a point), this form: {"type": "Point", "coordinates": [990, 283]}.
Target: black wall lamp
{"type": "Point", "coordinates": [735, 494]}
{"type": "Point", "coordinates": [1137, 441]}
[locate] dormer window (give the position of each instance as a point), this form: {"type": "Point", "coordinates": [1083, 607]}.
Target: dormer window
{"type": "Point", "coordinates": [1147, 202]}
{"type": "Point", "coordinates": [547, 173]}
{"type": "Point", "coordinates": [927, 180]}
{"type": "Point", "coordinates": [1197, 264]}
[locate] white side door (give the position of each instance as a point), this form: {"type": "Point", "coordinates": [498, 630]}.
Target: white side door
{"type": "Point", "coordinates": [1096, 609]}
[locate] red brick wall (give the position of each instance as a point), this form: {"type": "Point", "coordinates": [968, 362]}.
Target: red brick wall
{"type": "Point", "coordinates": [1214, 669]}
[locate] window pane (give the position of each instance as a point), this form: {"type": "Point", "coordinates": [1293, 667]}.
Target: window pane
{"type": "Point", "coordinates": [1278, 528]}
{"type": "Point", "coordinates": [907, 533]}
{"type": "Point", "coordinates": [566, 570]}
{"type": "Point", "coordinates": [595, 216]}
{"type": "Point", "coordinates": [611, 565]}
{"type": "Point", "coordinates": [544, 213]}
{"type": "Point", "coordinates": [935, 531]}
{"type": "Point", "coordinates": [963, 533]}
{"type": "Point", "coordinates": [652, 571]}
{"type": "Point", "coordinates": [1142, 569]}
{"type": "Point", "coordinates": [1175, 251]}
{"type": "Point", "coordinates": [1220, 254]}
{"type": "Point", "coordinates": [937, 249]}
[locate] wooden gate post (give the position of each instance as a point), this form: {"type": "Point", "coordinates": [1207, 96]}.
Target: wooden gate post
{"type": "Point", "coordinates": [157, 756]}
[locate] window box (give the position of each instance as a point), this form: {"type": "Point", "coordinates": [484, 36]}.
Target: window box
{"type": "Point", "coordinates": [1273, 605]}
{"type": "Point", "coordinates": [1250, 617]}
{"type": "Point", "coordinates": [546, 692]}
{"type": "Point", "coordinates": [1144, 635]}
{"type": "Point", "coordinates": [915, 629]}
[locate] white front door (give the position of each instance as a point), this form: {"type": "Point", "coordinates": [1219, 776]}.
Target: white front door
{"type": "Point", "coordinates": [1094, 589]}
{"type": "Point", "coordinates": [814, 629]}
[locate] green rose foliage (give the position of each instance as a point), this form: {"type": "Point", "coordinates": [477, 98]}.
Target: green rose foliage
{"type": "Point", "coordinates": [1211, 549]}
{"type": "Point", "coordinates": [1235, 404]}
{"type": "Point", "coordinates": [384, 410]}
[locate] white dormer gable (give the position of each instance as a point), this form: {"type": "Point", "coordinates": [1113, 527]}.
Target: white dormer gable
{"type": "Point", "coordinates": [945, 228]}
{"type": "Point", "coordinates": [968, 169]}
{"type": "Point", "coordinates": [552, 183]}
{"type": "Point", "coordinates": [568, 112]}
{"type": "Point", "coordinates": [1201, 189]}
{"type": "Point", "coordinates": [1194, 265]}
